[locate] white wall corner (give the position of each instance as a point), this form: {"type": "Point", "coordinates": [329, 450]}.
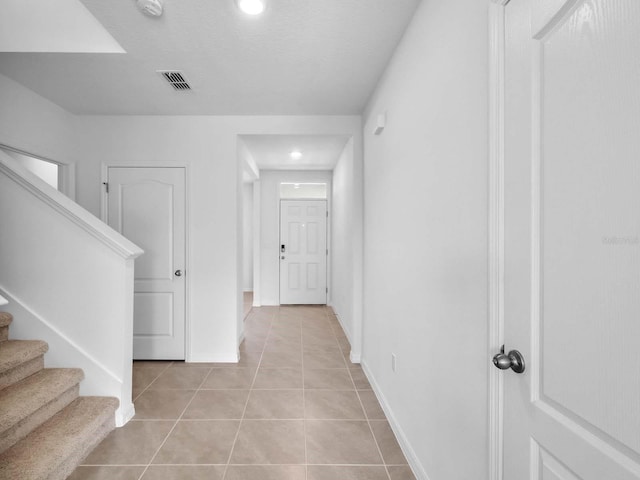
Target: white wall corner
{"type": "Point", "coordinates": [124, 413]}
{"type": "Point", "coordinates": [355, 357]}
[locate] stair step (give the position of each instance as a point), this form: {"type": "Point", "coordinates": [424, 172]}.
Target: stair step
{"type": "Point", "coordinates": [27, 404]}
{"type": "Point", "coordinates": [19, 359]}
{"type": "Point", "coordinates": [5, 320]}
{"type": "Point", "coordinates": [57, 447]}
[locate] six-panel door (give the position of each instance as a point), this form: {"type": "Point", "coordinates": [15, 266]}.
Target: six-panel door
{"type": "Point", "coordinates": [303, 252]}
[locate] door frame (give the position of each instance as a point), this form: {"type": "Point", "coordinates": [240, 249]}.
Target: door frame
{"type": "Point", "coordinates": [104, 177]}
{"type": "Point", "coordinates": [66, 171]}
{"type": "Point", "coordinates": [327, 232]}
{"type": "Point", "coordinates": [495, 338]}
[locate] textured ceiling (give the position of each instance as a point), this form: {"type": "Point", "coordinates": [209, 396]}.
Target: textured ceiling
{"type": "Point", "coordinates": [300, 57]}
{"type": "Point", "coordinates": [272, 152]}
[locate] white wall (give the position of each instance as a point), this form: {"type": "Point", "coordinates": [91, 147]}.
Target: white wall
{"type": "Point", "coordinates": [426, 240]}
{"type": "Point", "coordinates": [342, 267]}
{"type": "Point", "coordinates": [270, 225]}
{"type": "Point", "coordinates": [207, 146]}
{"type": "Point", "coordinates": [30, 123]}
{"type": "Point", "coordinates": [247, 237]}
{"type": "Point", "coordinates": [47, 171]}
{"type": "Point", "coordinates": [69, 279]}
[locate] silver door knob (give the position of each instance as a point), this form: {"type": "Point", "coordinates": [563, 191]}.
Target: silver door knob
{"type": "Point", "coordinates": [178, 273]}
{"type": "Point", "coordinates": [513, 360]}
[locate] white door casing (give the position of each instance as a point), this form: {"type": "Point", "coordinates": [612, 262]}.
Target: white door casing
{"type": "Point", "coordinates": [572, 239]}
{"type": "Point", "coordinates": [147, 205]}
{"type": "Point", "coordinates": [303, 252]}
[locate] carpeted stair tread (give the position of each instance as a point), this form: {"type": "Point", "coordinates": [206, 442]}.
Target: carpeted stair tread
{"type": "Point", "coordinates": [24, 398]}
{"type": "Point", "coordinates": [17, 352]}
{"type": "Point", "coordinates": [54, 449]}
{"type": "Point", "coordinates": [5, 319]}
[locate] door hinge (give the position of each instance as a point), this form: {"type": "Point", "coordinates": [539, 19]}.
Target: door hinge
{"type": "Point", "coordinates": [327, 213]}
{"type": "Point", "coordinates": [327, 251]}
{"type": "Point", "coordinates": [326, 290]}
{"type": "Point", "coordinates": [106, 186]}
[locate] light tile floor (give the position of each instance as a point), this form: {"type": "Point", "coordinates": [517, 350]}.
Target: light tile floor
{"type": "Point", "coordinates": [293, 408]}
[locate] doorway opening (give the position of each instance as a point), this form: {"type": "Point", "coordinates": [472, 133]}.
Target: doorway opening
{"type": "Point", "coordinates": [60, 176]}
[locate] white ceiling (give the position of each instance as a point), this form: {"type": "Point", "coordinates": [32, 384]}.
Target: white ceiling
{"type": "Point", "coordinates": [300, 57]}
{"type": "Point", "coordinates": [45, 26]}
{"type": "Point", "coordinates": [272, 152]}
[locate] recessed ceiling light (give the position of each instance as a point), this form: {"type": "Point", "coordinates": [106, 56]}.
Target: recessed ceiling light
{"type": "Point", "coordinates": [296, 154]}
{"type": "Point", "coordinates": [251, 7]}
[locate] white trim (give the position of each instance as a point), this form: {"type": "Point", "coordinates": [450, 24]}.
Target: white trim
{"type": "Point", "coordinates": [410, 454]}
{"type": "Point", "coordinates": [68, 208]}
{"type": "Point", "coordinates": [124, 414]}
{"type": "Point", "coordinates": [187, 240]}
{"type": "Point", "coordinates": [188, 301]}
{"type": "Point", "coordinates": [496, 233]}
{"type": "Point", "coordinates": [215, 358]}
{"type": "Point", "coordinates": [66, 171]}
{"type": "Point", "coordinates": [66, 339]}
{"type": "Point", "coordinates": [355, 357]}
{"type": "Point", "coordinates": [357, 309]}
{"type": "Point", "coordinates": [257, 212]}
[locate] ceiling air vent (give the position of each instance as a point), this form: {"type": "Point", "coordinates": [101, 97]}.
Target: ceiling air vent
{"type": "Point", "coordinates": [175, 79]}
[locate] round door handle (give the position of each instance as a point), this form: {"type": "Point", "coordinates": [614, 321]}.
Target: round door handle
{"type": "Point", "coordinates": [513, 360]}
{"type": "Point", "coordinates": [178, 273]}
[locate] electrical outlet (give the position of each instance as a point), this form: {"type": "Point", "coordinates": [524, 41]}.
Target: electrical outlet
{"type": "Point", "coordinates": [393, 362]}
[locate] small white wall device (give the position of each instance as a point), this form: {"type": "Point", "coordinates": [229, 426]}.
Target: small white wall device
{"type": "Point", "coordinates": [153, 8]}
{"type": "Point", "coordinates": [381, 122]}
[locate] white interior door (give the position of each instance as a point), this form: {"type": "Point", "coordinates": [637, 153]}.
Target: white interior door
{"type": "Point", "coordinates": [147, 205]}
{"type": "Point", "coordinates": [303, 252]}
{"type": "Point", "coordinates": [572, 239]}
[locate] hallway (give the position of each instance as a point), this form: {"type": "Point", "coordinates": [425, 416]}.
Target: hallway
{"type": "Point", "coordinates": [293, 408]}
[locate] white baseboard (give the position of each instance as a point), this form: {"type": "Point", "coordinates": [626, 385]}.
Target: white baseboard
{"type": "Point", "coordinates": [339, 317]}
{"type": "Point", "coordinates": [410, 454]}
{"type": "Point", "coordinates": [355, 357]}
{"type": "Point", "coordinates": [214, 358]}
{"type": "Point", "coordinates": [124, 414]}
{"type": "Point", "coordinates": [65, 353]}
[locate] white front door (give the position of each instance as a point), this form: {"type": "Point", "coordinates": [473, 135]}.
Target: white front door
{"type": "Point", "coordinates": [147, 205]}
{"type": "Point", "coordinates": [572, 239]}
{"type": "Point", "coordinates": [303, 252]}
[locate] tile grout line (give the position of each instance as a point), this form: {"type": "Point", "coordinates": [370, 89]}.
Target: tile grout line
{"type": "Point", "coordinates": [368, 421]}
{"type": "Point", "coordinates": [246, 403]}
{"type": "Point", "coordinates": [151, 382]}
{"type": "Point", "coordinates": [372, 433]}
{"type": "Point", "coordinates": [175, 424]}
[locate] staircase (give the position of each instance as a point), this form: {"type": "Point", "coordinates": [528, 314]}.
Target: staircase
{"type": "Point", "coordinates": [46, 429]}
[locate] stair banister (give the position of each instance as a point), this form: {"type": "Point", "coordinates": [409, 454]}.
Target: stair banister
{"type": "Point", "coordinates": [69, 279]}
